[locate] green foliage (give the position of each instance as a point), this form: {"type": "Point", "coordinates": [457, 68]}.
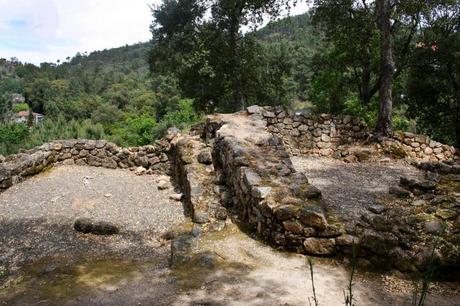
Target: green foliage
{"type": "Point", "coordinates": [8, 86]}
{"type": "Point", "coordinates": [183, 118]}
{"type": "Point", "coordinates": [433, 82]}
{"type": "Point", "coordinates": [200, 61]}
{"type": "Point", "coordinates": [13, 133]}
{"type": "Point", "coordinates": [16, 136]}
{"type": "Point", "coordinates": [134, 131]}
{"type": "Point", "coordinates": [215, 64]}
{"type": "Point", "coordinates": [19, 107]}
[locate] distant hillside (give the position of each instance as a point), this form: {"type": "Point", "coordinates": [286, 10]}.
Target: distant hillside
{"type": "Point", "coordinates": [295, 29]}
{"type": "Point", "coordinates": [132, 57]}
{"type": "Point", "coordinates": [300, 42]}
{"type": "Point", "coordinates": [110, 93]}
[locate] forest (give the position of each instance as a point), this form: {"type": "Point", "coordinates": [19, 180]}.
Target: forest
{"type": "Point", "coordinates": [396, 64]}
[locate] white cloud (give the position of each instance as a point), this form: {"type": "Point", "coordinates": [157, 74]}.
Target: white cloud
{"type": "Point", "coordinates": [46, 30]}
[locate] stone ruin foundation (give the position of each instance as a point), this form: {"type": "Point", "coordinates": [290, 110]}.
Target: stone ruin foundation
{"type": "Point", "coordinates": [239, 164]}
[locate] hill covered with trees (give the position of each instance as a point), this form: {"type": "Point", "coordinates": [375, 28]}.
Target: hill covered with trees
{"type": "Point", "coordinates": [105, 94]}
{"type": "Point", "coordinates": [328, 60]}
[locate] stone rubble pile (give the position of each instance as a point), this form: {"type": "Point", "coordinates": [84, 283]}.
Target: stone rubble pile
{"type": "Point", "coordinates": [402, 236]}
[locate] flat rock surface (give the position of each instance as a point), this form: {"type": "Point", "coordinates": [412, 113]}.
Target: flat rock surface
{"type": "Point", "coordinates": [37, 215]}
{"type": "Point", "coordinates": [350, 189]}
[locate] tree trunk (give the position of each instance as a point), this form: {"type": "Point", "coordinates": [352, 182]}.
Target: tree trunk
{"type": "Point", "coordinates": [366, 79]}
{"type": "Point", "coordinates": [236, 61]}
{"type": "Point", "coordinates": [457, 125]}
{"type": "Point", "coordinates": [384, 126]}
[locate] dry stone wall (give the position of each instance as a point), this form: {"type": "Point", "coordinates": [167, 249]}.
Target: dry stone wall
{"type": "Point", "coordinates": [328, 135]}
{"type": "Point", "coordinates": [278, 203]}
{"type": "Point", "coordinates": [97, 153]}
{"type": "Point", "coordinates": [266, 192]}
{"type": "Point", "coordinates": [194, 175]}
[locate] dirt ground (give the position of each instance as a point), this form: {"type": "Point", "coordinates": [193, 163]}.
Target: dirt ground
{"type": "Point", "coordinates": [349, 189]}
{"type": "Point", "coordinates": [43, 261]}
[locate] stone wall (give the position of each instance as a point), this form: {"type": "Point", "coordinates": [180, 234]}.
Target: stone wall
{"type": "Point", "coordinates": [327, 135]}
{"type": "Point", "coordinates": [267, 193]}
{"type": "Point", "coordinates": [100, 153]}
{"type": "Point", "coordinates": [420, 147]}
{"type": "Point", "coordinates": [271, 198]}
{"type": "Point", "coordinates": [323, 135]}
{"type": "Point", "coordinates": [194, 175]}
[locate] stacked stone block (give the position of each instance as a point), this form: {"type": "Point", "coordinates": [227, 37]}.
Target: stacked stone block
{"type": "Point", "coordinates": [332, 136]}
{"type": "Point", "coordinates": [97, 153]}
{"type": "Point", "coordinates": [267, 193]}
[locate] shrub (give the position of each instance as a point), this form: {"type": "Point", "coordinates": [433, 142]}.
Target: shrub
{"type": "Point", "coordinates": [20, 107]}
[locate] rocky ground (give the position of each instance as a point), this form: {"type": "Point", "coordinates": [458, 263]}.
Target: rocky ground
{"type": "Point", "coordinates": [349, 190]}
{"type": "Point", "coordinates": [37, 217]}
{"type": "Point", "coordinates": [44, 261]}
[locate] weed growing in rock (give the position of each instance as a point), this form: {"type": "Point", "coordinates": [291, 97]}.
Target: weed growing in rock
{"type": "Point", "coordinates": [420, 293]}
{"type": "Point", "coordinates": [348, 294]}
{"type": "Point", "coordinates": [315, 300]}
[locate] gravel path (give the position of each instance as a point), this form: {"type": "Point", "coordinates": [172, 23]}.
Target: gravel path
{"type": "Point", "coordinates": [37, 215]}
{"type": "Point", "coordinates": [349, 189]}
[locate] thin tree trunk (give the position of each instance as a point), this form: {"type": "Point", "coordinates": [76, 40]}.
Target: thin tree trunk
{"type": "Point", "coordinates": [236, 61]}
{"type": "Point", "coordinates": [384, 126]}
{"type": "Point", "coordinates": [366, 78]}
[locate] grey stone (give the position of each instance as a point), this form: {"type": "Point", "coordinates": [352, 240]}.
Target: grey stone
{"type": "Point", "coordinates": [419, 203]}
{"type": "Point", "coordinates": [260, 192]}
{"type": "Point", "coordinates": [268, 114]}
{"type": "Point", "coordinates": [140, 171]}
{"type": "Point", "coordinates": [109, 163]}
{"type": "Point", "coordinates": [425, 185]}
{"type": "Point", "coordinates": [83, 153]}
{"type": "Point", "coordinates": [196, 230]}
{"type": "Point", "coordinates": [221, 213]}
{"type": "Point", "coordinates": [251, 178]}
{"type": "Point", "coordinates": [293, 226]}
{"type": "Point", "coordinates": [307, 191]}
{"type": "Point", "coordinates": [319, 246]}
{"type": "Point", "coordinates": [377, 208]}
{"type": "Point", "coordinates": [379, 243]}
{"type": "Point", "coordinates": [399, 192]}
{"type": "Point", "coordinates": [347, 240]}
{"type": "Point", "coordinates": [171, 133]}
{"type": "Point", "coordinates": [68, 162]}
{"type": "Point", "coordinates": [163, 184]}
{"type": "Point", "coordinates": [254, 109]}
{"type": "Point", "coordinates": [205, 157]}
{"type": "Point", "coordinates": [180, 250]}
{"type": "Point", "coordinates": [433, 227]}
{"type": "Point", "coordinates": [176, 196]}
{"type": "Point", "coordinates": [200, 217]}
{"type": "Point", "coordinates": [88, 226]}
{"type": "Point", "coordinates": [313, 216]}
{"type": "Point", "coordinates": [207, 260]}
{"type": "Point", "coordinates": [286, 212]}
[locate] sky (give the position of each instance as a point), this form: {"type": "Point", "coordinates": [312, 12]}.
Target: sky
{"type": "Point", "coordinates": [38, 31]}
